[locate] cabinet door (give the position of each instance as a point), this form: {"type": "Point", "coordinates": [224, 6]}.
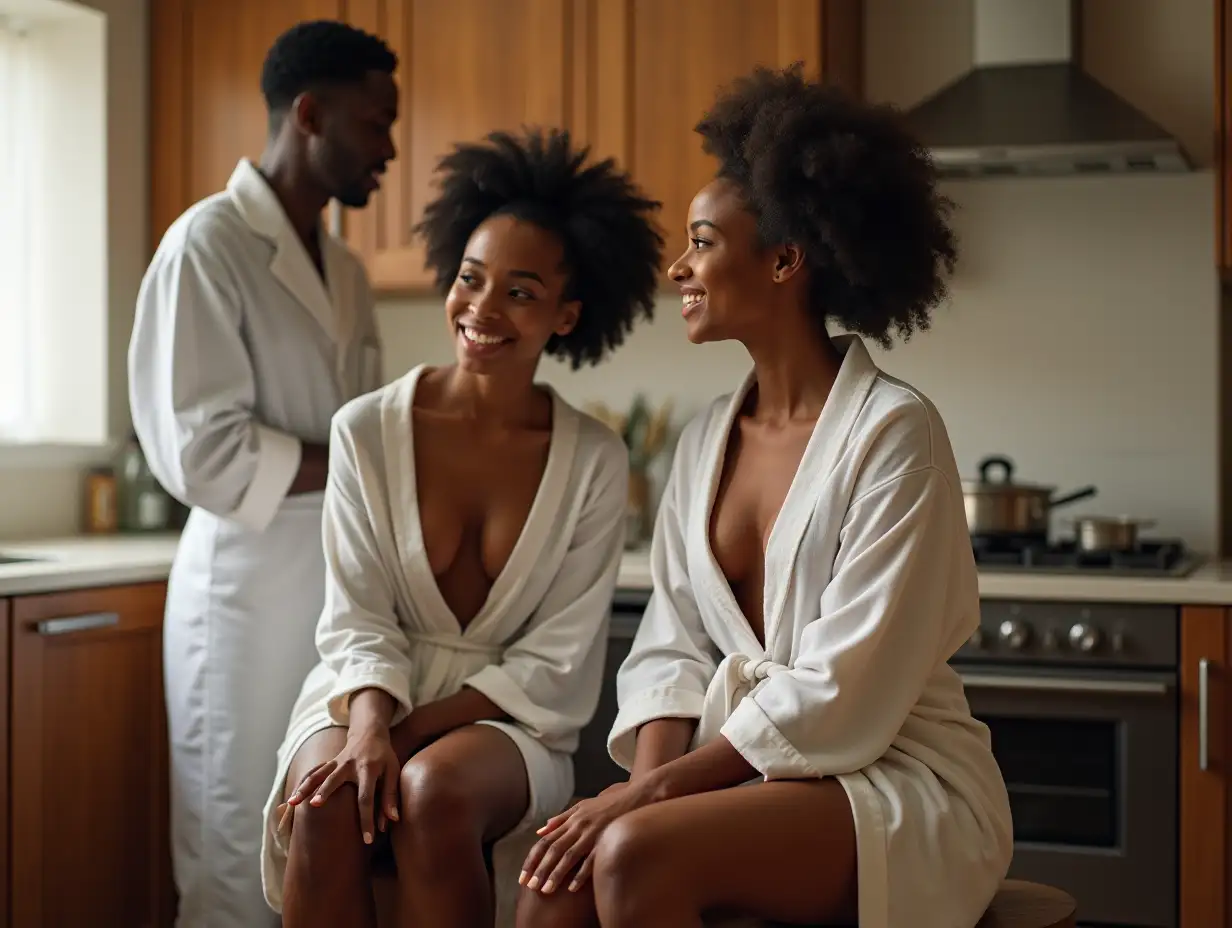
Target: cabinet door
{"type": "Point", "coordinates": [206, 109]}
{"type": "Point", "coordinates": [466, 68]}
{"type": "Point", "coordinates": [650, 70]}
{"type": "Point", "coordinates": [89, 760]}
{"type": "Point", "coordinates": [1204, 811]}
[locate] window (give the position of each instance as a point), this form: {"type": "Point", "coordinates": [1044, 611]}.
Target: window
{"type": "Point", "coordinates": [53, 240]}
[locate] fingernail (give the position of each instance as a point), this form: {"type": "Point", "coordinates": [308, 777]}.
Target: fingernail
{"type": "Point", "coordinates": [534, 883]}
{"type": "Point", "coordinates": [549, 886]}
{"type": "Point", "coordinates": [522, 878]}
{"type": "Point", "coordinates": [393, 814]}
{"type": "Point", "coordinates": [540, 831]}
{"type": "Point", "coordinates": [316, 800]}
{"type": "Point", "coordinates": [574, 886]}
{"type": "Point", "coordinates": [367, 837]}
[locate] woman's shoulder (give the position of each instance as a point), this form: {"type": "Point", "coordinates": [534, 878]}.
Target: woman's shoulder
{"type": "Point", "coordinates": [900, 431]}
{"type": "Point", "coordinates": [361, 416]}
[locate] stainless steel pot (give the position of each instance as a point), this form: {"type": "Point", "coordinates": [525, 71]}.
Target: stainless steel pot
{"type": "Point", "coordinates": [1108, 533]}
{"type": "Point", "coordinates": [996, 505]}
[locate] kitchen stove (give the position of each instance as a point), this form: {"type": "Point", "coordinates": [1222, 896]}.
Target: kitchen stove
{"type": "Point", "coordinates": [1154, 558]}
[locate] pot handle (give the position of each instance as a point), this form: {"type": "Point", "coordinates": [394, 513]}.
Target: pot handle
{"type": "Point", "coordinates": [1084, 493]}
{"type": "Point", "coordinates": [996, 461]}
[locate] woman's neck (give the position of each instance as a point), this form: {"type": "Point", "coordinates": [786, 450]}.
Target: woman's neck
{"type": "Point", "coordinates": [795, 371]}
{"type": "Point", "coordinates": [501, 400]}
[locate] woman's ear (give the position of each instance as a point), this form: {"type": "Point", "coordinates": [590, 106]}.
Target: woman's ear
{"type": "Point", "coordinates": [569, 312]}
{"type": "Point", "coordinates": [788, 260]}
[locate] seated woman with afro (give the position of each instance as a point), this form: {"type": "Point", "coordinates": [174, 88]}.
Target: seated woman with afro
{"type": "Point", "coordinates": [473, 530]}
{"type": "Point", "coordinates": [799, 749]}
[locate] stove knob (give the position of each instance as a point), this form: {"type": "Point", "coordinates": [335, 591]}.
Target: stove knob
{"type": "Point", "coordinates": [1083, 637]}
{"type": "Point", "coordinates": [1014, 633]}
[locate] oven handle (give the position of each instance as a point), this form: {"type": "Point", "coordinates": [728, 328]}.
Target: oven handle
{"type": "Point", "coordinates": [1065, 684]}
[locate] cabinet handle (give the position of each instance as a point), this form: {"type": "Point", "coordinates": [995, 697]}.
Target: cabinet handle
{"type": "Point", "coordinates": [77, 623]}
{"type": "Point", "coordinates": [1204, 674]}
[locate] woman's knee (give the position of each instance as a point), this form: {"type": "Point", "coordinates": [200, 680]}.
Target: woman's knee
{"type": "Point", "coordinates": [329, 829]}
{"type": "Point", "coordinates": [628, 852]}
{"type": "Point", "coordinates": [560, 909]}
{"type": "Point", "coordinates": [434, 804]}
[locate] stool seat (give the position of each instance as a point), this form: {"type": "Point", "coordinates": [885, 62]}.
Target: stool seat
{"type": "Point", "coordinates": [1020, 904]}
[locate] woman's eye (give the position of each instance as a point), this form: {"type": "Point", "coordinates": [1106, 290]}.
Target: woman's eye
{"type": "Point", "coordinates": [698, 243]}
{"type": "Point", "coordinates": [521, 295]}
{"type": "Point", "coordinates": [467, 278]}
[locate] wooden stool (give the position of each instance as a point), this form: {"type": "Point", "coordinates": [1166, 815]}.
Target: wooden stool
{"type": "Point", "coordinates": [1019, 904]}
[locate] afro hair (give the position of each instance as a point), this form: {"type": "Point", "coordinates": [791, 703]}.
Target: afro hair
{"type": "Point", "coordinates": [611, 244]}
{"type": "Point", "coordinates": [318, 53]}
{"type": "Point", "coordinates": [846, 183]}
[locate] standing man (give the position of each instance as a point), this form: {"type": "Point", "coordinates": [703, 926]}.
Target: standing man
{"type": "Point", "coordinates": [253, 327]}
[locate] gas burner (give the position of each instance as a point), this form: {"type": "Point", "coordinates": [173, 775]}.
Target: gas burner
{"type": "Point", "coordinates": [1151, 558]}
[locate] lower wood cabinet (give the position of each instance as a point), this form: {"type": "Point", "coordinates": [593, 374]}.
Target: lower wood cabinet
{"type": "Point", "coordinates": [85, 734]}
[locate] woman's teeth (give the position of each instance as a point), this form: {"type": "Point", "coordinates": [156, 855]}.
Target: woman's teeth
{"type": "Point", "coordinates": [692, 299]}
{"type": "Point", "coordinates": [480, 338]}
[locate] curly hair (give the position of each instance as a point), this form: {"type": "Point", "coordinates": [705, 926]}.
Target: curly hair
{"type": "Point", "coordinates": [316, 53]}
{"type": "Point", "coordinates": [612, 246]}
{"type": "Point", "coordinates": [846, 183]}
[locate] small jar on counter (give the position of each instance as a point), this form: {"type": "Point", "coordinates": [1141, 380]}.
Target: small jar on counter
{"type": "Point", "coordinates": [100, 514]}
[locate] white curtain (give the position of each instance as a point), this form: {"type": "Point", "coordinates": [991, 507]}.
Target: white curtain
{"type": "Point", "coordinates": [20, 178]}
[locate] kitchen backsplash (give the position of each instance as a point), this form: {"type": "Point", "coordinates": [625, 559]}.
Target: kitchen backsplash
{"type": "Point", "coordinates": [1080, 340]}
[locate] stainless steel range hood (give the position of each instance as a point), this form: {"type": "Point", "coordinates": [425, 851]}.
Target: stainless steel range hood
{"type": "Point", "coordinates": [1027, 109]}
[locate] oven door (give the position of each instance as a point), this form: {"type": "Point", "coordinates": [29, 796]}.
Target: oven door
{"type": "Point", "coordinates": [1090, 761]}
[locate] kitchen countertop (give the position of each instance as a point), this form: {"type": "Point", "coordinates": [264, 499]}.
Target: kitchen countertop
{"type": "Point", "coordinates": [77, 563]}
{"type": "Point", "coordinates": [1209, 584]}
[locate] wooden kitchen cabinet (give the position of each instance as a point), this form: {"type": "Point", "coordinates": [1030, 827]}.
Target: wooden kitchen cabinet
{"type": "Point", "coordinates": [629, 77]}
{"type": "Point", "coordinates": [653, 69]}
{"type": "Point", "coordinates": [1223, 134]}
{"type": "Point", "coordinates": [87, 796]}
{"type": "Point", "coordinates": [1205, 759]}
{"type": "Point", "coordinates": [206, 109]}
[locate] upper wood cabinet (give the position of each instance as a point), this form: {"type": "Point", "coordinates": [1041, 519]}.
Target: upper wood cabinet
{"type": "Point", "coordinates": [206, 109]}
{"type": "Point", "coordinates": [652, 69]}
{"type": "Point", "coordinates": [1223, 134]}
{"type": "Point", "coordinates": [628, 77]}
{"type": "Point", "coordinates": [466, 68]}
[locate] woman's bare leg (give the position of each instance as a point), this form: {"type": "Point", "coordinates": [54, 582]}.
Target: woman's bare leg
{"type": "Point", "coordinates": [783, 850]}
{"type": "Point", "coordinates": [462, 791]}
{"type": "Point", "coordinates": [329, 872]}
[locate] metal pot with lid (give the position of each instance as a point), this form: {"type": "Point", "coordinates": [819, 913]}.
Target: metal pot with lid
{"type": "Point", "coordinates": [998, 506]}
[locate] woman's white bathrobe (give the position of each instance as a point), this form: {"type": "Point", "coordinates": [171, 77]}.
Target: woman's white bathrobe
{"type": "Point", "coordinates": [870, 587]}
{"type": "Point", "coordinates": [538, 644]}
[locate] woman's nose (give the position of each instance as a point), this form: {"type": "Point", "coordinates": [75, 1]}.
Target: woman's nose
{"type": "Point", "coordinates": [680, 269]}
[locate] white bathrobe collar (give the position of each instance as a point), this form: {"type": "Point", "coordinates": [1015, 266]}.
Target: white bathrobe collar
{"type": "Point", "coordinates": [855, 379]}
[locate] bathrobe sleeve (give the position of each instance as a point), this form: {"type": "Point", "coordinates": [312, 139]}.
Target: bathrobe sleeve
{"type": "Point", "coordinates": [192, 391]}
{"type": "Point", "coordinates": [549, 679]}
{"type": "Point", "coordinates": [864, 662]}
{"type": "Point", "coordinates": [358, 636]}
{"type": "Point", "coordinates": [669, 665]}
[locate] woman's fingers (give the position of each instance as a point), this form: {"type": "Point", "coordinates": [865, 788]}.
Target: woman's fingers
{"type": "Point", "coordinates": [337, 776]}
{"type": "Point", "coordinates": [365, 780]}
{"type": "Point", "coordinates": [389, 790]}
{"type": "Point", "coordinates": [555, 821]}
{"type": "Point", "coordinates": [311, 781]}
{"type": "Point", "coordinates": [583, 873]}
{"type": "Point", "coordinates": [558, 861]}
{"type": "Point", "coordinates": [531, 864]}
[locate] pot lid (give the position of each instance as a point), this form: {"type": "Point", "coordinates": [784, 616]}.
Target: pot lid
{"type": "Point", "coordinates": [997, 476]}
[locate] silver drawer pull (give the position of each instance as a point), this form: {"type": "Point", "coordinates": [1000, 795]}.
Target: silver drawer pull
{"type": "Point", "coordinates": [77, 623]}
{"type": "Point", "coordinates": [1065, 685]}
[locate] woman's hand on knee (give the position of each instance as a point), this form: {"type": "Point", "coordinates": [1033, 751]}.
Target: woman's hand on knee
{"type": "Point", "coordinates": [368, 760]}
{"type": "Point", "coordinates": [565, 852]}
